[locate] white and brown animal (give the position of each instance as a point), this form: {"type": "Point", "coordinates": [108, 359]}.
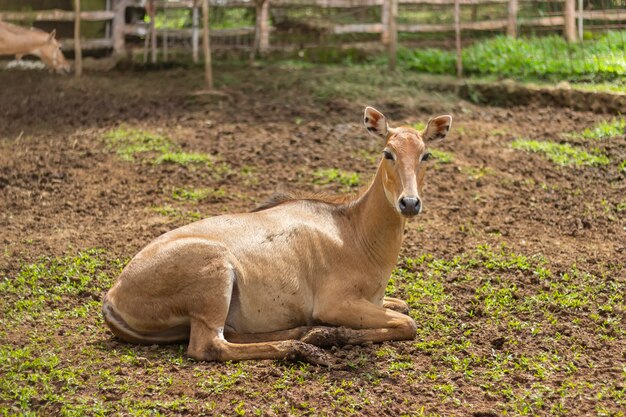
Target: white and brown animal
{"type": "Point", "coordinates": [287, 277]}
{"type": "Point", "coordinates": [19, 41]}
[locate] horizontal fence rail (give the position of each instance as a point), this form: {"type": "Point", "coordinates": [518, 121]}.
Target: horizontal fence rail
{"type": "Point", "coordinates": [297, 23]}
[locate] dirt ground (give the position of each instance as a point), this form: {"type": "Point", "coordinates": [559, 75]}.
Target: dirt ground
{"type": "Point", "coordinates": [515, 271]}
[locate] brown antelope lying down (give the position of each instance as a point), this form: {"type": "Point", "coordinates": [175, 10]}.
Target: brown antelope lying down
{"type": "Point", "coordinates": [292, 275]}
{"type": "Point", "coordinates": [19, 41]}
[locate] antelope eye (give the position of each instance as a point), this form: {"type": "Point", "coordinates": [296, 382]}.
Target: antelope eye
{"type": "Point", "coordinates": [388, 155]}
{"type": "Point", "coordinates": [427, 156]}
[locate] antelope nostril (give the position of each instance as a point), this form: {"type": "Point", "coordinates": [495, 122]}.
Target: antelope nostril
{"type": "Point", "coordinates": [409, 205]}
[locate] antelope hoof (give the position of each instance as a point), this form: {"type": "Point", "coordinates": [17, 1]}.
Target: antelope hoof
{"type": "Point", "coordinates": [404, 309]}
{"type": "Point", "coordinates": [325, 337]}
{"type": "Point", "coordinates": [399, 306]}
{"type": "Point", "coordinates": [311, 354]}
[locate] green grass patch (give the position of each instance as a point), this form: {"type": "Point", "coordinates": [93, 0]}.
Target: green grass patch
{"type": "Point", "coordinates": [177, 213]}
{"type": "Point", "coordinates": [346, 179]}
{"type": "Point", "coordinates": [562, 154]}
{"type": "Point", "coordinates": [50, 281]}
{"type": "Point", "coordinates": [183, 158]}
{"type": "Point", "coordinates": [136, 144]}
{"type": "Point", "coordinates": [132, 143]}
{"type": "Point", "coordinates": [198, 194]}
{"type": "Point", "coordinates": [442, 156]}
{"type": "Point", "coordinates": [605, 129]}
{"type": "Point", "coordinates": [548, 57]}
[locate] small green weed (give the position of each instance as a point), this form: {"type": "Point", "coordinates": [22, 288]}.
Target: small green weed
{"type": "Point", "coordinates": [605, 129]}
{"type": "Point", "coordinates": [346, 179]}
{"type": "Point", "coordinates": [198, 194]}
{"type": "Point", "coordinates": [183, 158]}
{"type": "Point", "coordinates": [562, 153]}
{"type": "Point", "coordinates": [442, 156]}
{"type": "Point", "coordinates": [177, 213]}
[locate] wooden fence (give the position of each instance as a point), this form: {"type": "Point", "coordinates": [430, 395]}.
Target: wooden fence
{"type": "Point", "coordinates": [570, 18]}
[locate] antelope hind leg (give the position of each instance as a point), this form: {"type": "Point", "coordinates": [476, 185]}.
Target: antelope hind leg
{"type": "Point", "coordinates": [207, 343]}
{"type": "Point", "coordinates": [396, 304]}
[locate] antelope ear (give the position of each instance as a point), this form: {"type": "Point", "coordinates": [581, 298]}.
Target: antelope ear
{"type": "Point", "coordinates": [52, 35]}
{"type": "Point", "coordinates": [375, 122]}
{"type": "Point", "coordinates": [437, 128]}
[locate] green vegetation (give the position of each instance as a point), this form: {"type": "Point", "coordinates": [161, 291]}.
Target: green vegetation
{"type": "Point", "coordinates": [49, 281]}
{"type": "Point", "coordinates": [562, 153]}
{"type": "Point", "coordinates": [508, 312]}
{"type": "Point", "coordinates": [347, 180]}
{"type": "Point", "coordinates": [605, 129]}
{"type": "Point", "coordinates": [442, 156]}
{"type": "Point", "coordinates": [183, 158]}
{"type": "Point", "coordinates": [133, 144]}
{"type": "Point", "coordinates": [220, 18]}
{"type": "Point", "coordinates": [198, 194]}
{"type": "Point", "coordinates": [550, 57]}
{"type": "Point", "coordinates": [177, 213]}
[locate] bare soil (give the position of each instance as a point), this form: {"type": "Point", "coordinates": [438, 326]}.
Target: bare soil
{"type": "Point", "coordinates": [63, 191]}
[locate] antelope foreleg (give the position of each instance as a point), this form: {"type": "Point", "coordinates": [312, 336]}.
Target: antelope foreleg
{"type": "Point", "coordinates": [360, 322]}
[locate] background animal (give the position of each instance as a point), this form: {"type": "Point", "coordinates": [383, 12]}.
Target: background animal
{"type": "Point", "coordinates": [19, 41]}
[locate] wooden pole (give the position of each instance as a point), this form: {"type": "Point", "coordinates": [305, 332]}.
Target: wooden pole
{"type": "Point", "coordinates": [261, 29]}
{"type": "Point", "coordinates": [78, 52]}
{"type": "Point", "coordinates": [570, 20]}
{"type": "Point", "coordinates": [393, 34]}
{"type": "Point", "coordinates": [119, 23]}
{"type": "Point", "coordinates": [165, 35]}
{"type": "Point", "coordinates": [384, 37]}
{"type": "Point", "coordinates": [206, 45]}
{"type": "Point", "coordinates": [264, 44]}
{"type": "Point", "coordinates": [580, 20]}
{"type": "Point", "coordinates": [194, 32]}
{"type": "Point", "coordinates": [511, 29]}
{"type": "Point", "coordinates": [457, 30]}
{"type": "Point", "coordinates": [153, 34]}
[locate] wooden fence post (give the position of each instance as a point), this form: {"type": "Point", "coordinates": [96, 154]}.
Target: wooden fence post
{"type": "Point", "coordinates": [384, 37]}
{"type": "Point", "coordinates": [194, 32]}
{"type": "Point", "coordinates": [78, 52]}
{"type": "Point", "coordinates": [153, 32]}
{"type": "Point", "coordinates": [570, 20]}
{"type": "Point", "coordinates": [264, 45]}
{"type": "Point", "coordinates": [119, 24]}
{"type": "Point", "coordinates": [457, 30]}
{"type": "Point", "coordinates": [580, 20]}
{"type": "Point", "coordinates": [393, 34]}
{"type": "Point", "coordinates": [261, 29]}
{"type": "Point", "coordinates": [164, 41]}
{"type": "Point", "coordinates": [206, 45]}
{"type": "Point", "coordinates": [511, 29]}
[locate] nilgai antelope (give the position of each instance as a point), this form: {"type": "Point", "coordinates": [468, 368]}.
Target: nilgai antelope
{"type": "Point", "coordinates": [19, 41]}
{"type": "Point", "coordinates": [290, 277]}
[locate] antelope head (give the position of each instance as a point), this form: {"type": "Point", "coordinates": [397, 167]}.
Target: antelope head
{"type": "Point", "coordinates": [51, 54]}
{"type": "Point", "coordinates": [403, 164]}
